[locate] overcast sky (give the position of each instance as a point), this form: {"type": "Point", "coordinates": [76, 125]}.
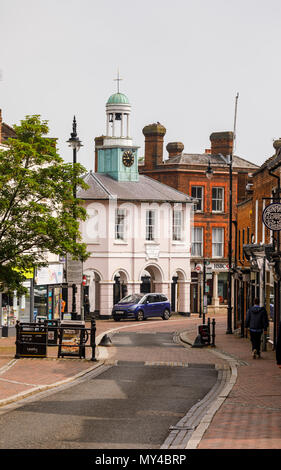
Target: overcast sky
{"type": "Point", "coordinates": [182, 64]}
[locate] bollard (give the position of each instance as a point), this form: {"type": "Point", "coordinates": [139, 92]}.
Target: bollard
{"type": "Point", "coordinates": [209, 328]}
{"type": "Point", "coordinates": [213, 332]}
{"type": "Point", "coordinates": [17, 339]}
{"type": "Point", "coordinates": [93, 339]}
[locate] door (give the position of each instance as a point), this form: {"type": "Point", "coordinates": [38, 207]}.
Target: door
{"type": "Point", "coordinates": [151, 306]}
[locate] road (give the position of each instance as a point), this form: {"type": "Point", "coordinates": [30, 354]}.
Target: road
{"type": "Point", "coordinates": [130, 402]}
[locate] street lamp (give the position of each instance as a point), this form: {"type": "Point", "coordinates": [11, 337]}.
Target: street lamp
{"type": "Point", "coordinates": [209, 174]}
{"type": "Point", "coordinates": [209, 171]}
{"type": "Point", "coordinates": [76, 144]}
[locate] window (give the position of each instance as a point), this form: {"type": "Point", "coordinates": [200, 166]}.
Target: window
{"type": "Point", "coordinates": [150, 225]}
{"type": "Point", "coordinates": [177, 224]}
{"type": "Point", "coordinates": [197, 241]}
{"type": "Point", "coordinates": [217, 242]}
{"type": "Point", "coordinates": [217, 199]}
{"type": "Point", "coordinates": [120, 224]}
{"type": "Point", "coordinates": [197, 193]}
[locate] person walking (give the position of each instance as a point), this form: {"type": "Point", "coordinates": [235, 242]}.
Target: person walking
{"type": "Point", "coordinates": [257, 322]}
{"type": "Point", "coordinates": [278, 347]}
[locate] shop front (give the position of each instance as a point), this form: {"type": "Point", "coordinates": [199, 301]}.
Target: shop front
{"type": "Point", "coordinates": [50, 293]}
{"type": "Point", "coordinates": [15, 308]}
{"type": "Point", "coordinates": [209, 280]}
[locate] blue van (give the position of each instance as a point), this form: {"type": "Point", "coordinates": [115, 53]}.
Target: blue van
{"type": "Point", "coordinates": [141, 306]}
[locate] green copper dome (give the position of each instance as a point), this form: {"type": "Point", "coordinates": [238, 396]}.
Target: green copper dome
{"type": "Point", "coordinates": [118, 98]}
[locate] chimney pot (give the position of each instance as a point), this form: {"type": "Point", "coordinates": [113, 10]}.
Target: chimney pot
{"type": "Point", "coordinates": [221, 142]}
{"type": "Point", "coordinates": [174, 148]}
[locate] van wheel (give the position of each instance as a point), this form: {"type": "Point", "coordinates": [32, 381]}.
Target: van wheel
{"type": "Point", "coordinates": [166, 315]}
{"type": "Point", "coordinates": [116, 319]}
{"type": "Point", "coordinates": [140, 316]}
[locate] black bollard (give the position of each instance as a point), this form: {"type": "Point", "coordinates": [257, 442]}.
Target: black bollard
{"type": "Point", "coordinates": [213, 332]}
{"type": "Point", "coordinates": [209, 329]}
{"type": "Point", "coordinates": [17, 339]}
{"type": "Point", "coordinates": [93, 339]}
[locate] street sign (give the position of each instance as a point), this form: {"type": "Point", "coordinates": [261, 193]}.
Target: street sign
{"type": "Point", "coordinates": [271, 216]}
{"type": "Point", "coordinates": [74, 270]}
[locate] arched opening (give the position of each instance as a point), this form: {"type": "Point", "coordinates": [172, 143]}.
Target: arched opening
{"type": "Point", "coordinates": [151, 279]}
{"type": "Point", "coordinates": [120, 287]}
{"type": "Point", "coordinates": [91, 294]}
{"type": "Point", "coordinates": [178, 291]}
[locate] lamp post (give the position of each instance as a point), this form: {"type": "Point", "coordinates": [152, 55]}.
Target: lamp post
{"type": "Point", "coordinates": [209, 174]}
{"type": "Point", "coordinates": [75, 144]}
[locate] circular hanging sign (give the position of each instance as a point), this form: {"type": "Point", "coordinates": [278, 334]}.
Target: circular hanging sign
{"type": "Point", "coordinates": [271, 216]}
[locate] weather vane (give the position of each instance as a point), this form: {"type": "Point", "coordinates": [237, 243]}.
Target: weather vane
{"type": "Point", "coordinates": [118, 79]}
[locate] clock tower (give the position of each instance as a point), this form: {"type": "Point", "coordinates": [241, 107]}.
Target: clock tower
{"type": "Point", "coordinates": [116, 155]}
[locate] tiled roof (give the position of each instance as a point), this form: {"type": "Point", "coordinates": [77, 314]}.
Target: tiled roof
{"type": "Point", "coordinates": [202, 159]}
{"type": "Point", "coordinates": [146, 189]}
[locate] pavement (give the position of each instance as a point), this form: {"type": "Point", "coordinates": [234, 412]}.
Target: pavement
{"type": "Point", "coordinates": [242, 412]}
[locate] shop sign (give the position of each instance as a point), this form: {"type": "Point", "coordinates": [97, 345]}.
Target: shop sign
{"type": "Point", "coordinates": [271, 216]}
{"type": "Point", "coordinates": [51, 274]}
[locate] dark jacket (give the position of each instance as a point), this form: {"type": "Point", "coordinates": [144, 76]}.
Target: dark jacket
{"type": "Point", "coordinates": [278, 346]}
{"type": "Point", "coordinates": [256, 318]}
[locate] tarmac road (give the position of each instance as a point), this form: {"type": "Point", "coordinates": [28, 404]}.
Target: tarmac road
{"type": "Point", "coordinates": [123, 405]}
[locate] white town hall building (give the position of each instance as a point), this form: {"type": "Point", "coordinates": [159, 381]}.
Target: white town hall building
{"type": "Point", "coordinates": [138, 230]}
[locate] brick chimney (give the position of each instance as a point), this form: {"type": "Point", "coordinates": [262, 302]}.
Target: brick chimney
{"type": "Point", "coordinates": [154, 139]}
{"type": "Point", "coordinates": [221, 142]}
{"type": "Point", "coordinates": [174, 148]}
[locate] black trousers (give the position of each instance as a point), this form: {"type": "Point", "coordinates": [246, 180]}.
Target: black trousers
{"type": "Point", "coordinates": [256, 340]}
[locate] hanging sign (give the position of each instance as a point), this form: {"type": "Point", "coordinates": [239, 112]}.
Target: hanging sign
{"type": "Point", "coordinates": [271, 216]}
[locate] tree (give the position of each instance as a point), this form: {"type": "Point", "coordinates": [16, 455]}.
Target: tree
{"type": "Point", "coordinates": [38, 211]}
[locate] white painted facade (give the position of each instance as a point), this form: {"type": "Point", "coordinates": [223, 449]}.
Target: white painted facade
{"type": "Point", "coordinates": [134, 256]}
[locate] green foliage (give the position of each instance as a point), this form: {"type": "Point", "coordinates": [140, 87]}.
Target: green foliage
{"type": "Point", "coordinates": [38, 211]}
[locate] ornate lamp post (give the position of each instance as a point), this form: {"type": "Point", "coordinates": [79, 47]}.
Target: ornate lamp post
{"type": "Point", "coordinates": [209, 174]}
{"type": "Point", "coordinates": [75, 144]}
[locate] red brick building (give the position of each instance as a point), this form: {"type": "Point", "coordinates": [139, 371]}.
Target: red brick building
{"type": "Point", "coordinates": [187, 173]}
{"type": "Point", "coordinates": [5, 131]}
{"type": "Point", "coordinates": [259, 269]}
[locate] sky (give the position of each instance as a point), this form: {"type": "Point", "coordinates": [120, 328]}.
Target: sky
{"type": "Point", "coordinates": [182, 63]}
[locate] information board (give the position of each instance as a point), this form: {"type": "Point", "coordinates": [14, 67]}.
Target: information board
{"type": "Point", "coordinates": [72, 339]}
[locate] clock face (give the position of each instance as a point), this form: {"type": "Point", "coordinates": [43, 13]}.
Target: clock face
{"type": "Point", "coordinates": [128, 158]}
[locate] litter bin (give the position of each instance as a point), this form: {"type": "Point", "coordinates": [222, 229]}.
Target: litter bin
{"type": "Point", "coordinates": [5, 331]}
